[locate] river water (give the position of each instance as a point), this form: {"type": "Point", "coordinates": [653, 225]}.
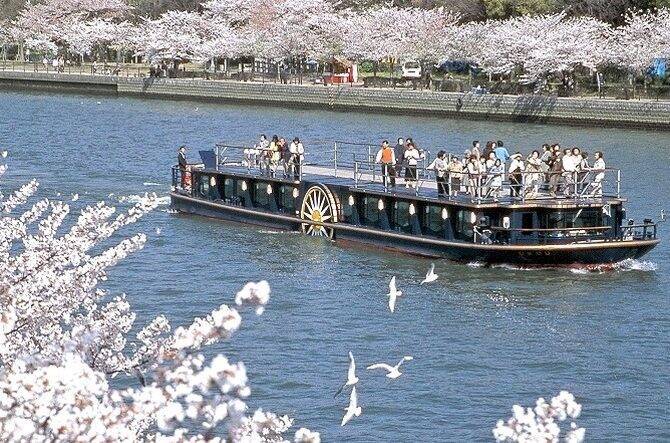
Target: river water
{"type": "Point", "coordinates": [482, 339]}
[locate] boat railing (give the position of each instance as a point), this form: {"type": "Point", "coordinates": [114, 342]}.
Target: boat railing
{"type": "Point", "coordinates": [356, 161]}
{"type": "Point", "coordinates": [498, 234]}
{"type": "Point", "coordinates": [639, 231]}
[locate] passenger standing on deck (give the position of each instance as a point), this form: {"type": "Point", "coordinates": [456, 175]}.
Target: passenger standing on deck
{"type": "Point", "coordinates": [439, 165]}
{"type": "Point", "coordinates": [285, 156]}
{"type": "Point", "coordinates": [476, 151]}
{"type": "Point", "coordinates": [583, 170]}
{"type": "Point", "coordinates": [555, 173]}
{"type": "Point", "coordinates": [183, 165]}
{"type": "Point", "coordinates": [455, 169]}
{"type": "Point", "coordinates": [501, 152]}
{"type": "Point", "coordinates": [569, 164]}
{"type": "Point", "coordinates": [473, 176]}
{"type": "Point", "coordinates": [386, 157]}
{"type": "Point", "coordinates": [496, 173]}
{"type": "Point", "coordinates": [516, 169]}
{"type": "Point", "coordinates": [399, 153]}
{"type": "Point", "coordinates": [599, 168]}
{"type": "Point", "coordinates": [533, 174]}
{"type": "Point", "coordinates": [545, 158]}
{"type": "Point", "coordinates": [261, 150]}
{"type": "Point", "coordinates": [412, 157]}
{"type": "Point", "coordinates": [273, 156]}
{"type": "Point", "coordinates": [490, 147]}
{"type": "Point", "coordinates": [297, 151]}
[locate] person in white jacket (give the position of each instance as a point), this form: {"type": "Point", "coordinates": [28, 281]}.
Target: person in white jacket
{"type": "Point", "coordinates": [412, 157]}
{"type": "Point", "coordinates": [297, 152]}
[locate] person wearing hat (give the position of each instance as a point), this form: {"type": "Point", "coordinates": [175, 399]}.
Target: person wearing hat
{"type": "Point", "coordinates": [516, 169]}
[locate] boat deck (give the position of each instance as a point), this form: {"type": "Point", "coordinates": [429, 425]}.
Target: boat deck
{"type": "Point", "coordinates": [370, 182]}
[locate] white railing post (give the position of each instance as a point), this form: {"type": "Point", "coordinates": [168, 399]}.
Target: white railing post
{"type": "Point", "coordinates": [618, 183]}
{"type": "Point", "coordinates": [335, 160]}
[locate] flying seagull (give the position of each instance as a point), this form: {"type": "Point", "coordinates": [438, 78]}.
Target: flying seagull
{"type": "Point", "coordinates": [393, 294]}
{"type": "Point", "coordinates": [431, 276]}
{"type": "Point", "coordinates": [393, 371]}
{"type": "Point", "coordinates": [352, 409]}
{"type": "Point", "coordinates": [351, 375]}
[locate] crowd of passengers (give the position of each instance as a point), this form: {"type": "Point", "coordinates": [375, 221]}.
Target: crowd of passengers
{"type": "Point", "coordinates": [484, 173]}
{"type": "Point", "coordinates": [271, 155]}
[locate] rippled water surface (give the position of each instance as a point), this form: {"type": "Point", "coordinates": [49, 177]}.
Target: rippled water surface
{"type": "Point", "coordinates": [482, 338]}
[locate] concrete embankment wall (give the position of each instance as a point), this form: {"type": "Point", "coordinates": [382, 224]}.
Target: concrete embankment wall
{"type": "Point", "coordinates": [595, 112]}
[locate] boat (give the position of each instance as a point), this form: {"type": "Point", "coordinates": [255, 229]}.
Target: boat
{"type": "Point", "coordinates": [351, 201]}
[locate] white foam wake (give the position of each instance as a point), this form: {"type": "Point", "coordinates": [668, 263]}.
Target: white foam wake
{"type": "Point", "coordinates": [152, 184]}
{"type": "Point", "coordinates": [133, 199]}
{"type": "Point", "coordinates": [631, 264]}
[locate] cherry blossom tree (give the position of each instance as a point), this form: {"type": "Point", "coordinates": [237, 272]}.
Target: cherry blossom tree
{"type": "Point", "coordinates": [62, 340]}
{"type": "Point", "coordinates": [175, 36]}
{"type": "Point", "coordinates": [51, 17]}
{"type": "Point", "coordinates": [644, 37]}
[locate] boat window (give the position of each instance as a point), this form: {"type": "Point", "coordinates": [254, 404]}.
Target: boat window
{"type": "Point", "coordinates": [229, 188]}
{"type": "Point", "coordinates": [401, 217]}
{"type": "Point", "coordinates": [463, 228]}
{"type": "Point", "coordinates": [527, 223]}
{"type": "Point", "coordinates": [203, 186]}
{"type": "Point", "coordinates": [577, 218]}
{"type": "Point", "coordinates": [433, 224]}
{"type": "Point", "coordinates": [286, 198]}
{"type": "Point", "coordinates": [349, 205]}
{"type": "Point", "coordinates": [242, 191]}
{"type": "Point", "coordinates": [261, 197]}
{"type": "Point", "coordinates": [371, 211]}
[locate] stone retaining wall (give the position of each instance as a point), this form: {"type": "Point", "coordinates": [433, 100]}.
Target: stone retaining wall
{"type": "Point", "coordinates": [599, 112]}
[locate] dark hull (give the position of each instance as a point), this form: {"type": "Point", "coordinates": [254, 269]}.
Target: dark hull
{"type": "Point", "coordinates": [531, 255]}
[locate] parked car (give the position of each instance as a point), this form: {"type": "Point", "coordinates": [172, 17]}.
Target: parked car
{"type": "Point", "coordinates": [411, 70]}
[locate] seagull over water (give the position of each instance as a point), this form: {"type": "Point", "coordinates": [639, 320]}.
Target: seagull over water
{"type": "Point", "coordinates": [393, 371]}
{"type": "Point", "coordinates": [351, 375]}
{"type": "Point", "coordinates": [393, 294]}
{"type": "Point", "coordinates": [431, 276]}
{"type": "Point", "coordinates": [353, 409]}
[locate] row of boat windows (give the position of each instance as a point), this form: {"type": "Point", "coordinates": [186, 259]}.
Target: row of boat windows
{"type": "Point", "coordinates": [398, 216]}
{"type": "Point", "coordinates": [365, 211]}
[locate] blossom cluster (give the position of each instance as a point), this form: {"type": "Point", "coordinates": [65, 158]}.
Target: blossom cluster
{"type": "Point", "coordinates": [280, 29]}
{"type": "Point", "coordinates": [63, 340]}
{"type": "Point", "coordinates": [542, 423]}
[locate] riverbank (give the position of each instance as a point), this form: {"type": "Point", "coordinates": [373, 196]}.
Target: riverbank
{"type": "Point", "coordinates": [526, 108]}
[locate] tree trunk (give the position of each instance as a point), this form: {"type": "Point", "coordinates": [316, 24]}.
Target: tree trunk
{"type": "Point", "coordinates": [392, 73]}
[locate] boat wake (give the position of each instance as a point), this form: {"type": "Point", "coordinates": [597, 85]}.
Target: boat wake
{"type": "Point", "coordinates": [271, 232]}
{"type": "Point", "coordinates": [152, 184]}
{"type": "Point", "coordinates": [622, 266]}
{"type": "Point", "coordinates": [636, 265]}
{"type": "Point", "coordinates": [133, 199]}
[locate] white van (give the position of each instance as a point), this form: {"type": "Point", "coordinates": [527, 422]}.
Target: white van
{"type": "Point", "coordinates": [411, 70]}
